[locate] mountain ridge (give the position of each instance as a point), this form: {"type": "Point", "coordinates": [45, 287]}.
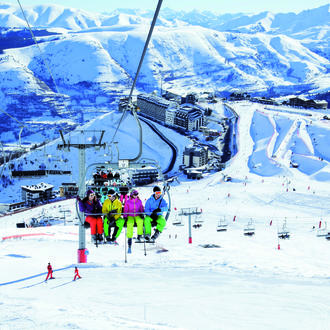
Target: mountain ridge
{"type": "Point", "coordinates": [93, 65]}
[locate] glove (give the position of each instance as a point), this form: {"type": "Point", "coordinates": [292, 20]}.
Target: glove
{"type": "Point", "coordinates": [157, 210]}
{"type": "Point", "coordinates": [154, 215]}
{"type": "Point", "coordinates": [86, 225]}
{"type": "Point", "coordinates": [78, 199]}
{"type": "Point", "coordinates": [112, 212]}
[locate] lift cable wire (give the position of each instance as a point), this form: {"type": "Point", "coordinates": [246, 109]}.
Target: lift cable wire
{"type": "Point", "coordinates": [43, 58]}
{"type": "Point", "coordinates": [6, 113]}
{"type": "Point", "coordinates": [129, 103]}
{"type": "Point", "coordinates": [20, 124]}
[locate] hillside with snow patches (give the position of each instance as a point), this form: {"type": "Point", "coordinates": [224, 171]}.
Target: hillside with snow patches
{"type": "Point", "coordinates": [269, 140]}
{"type": "Point", "coordinates": [93, 59]}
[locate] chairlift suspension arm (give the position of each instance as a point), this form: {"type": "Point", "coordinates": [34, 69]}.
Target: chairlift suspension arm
{"type": "Point", "coordinates": [153, 23]}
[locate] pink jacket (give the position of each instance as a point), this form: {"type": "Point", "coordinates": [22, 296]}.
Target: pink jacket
{"type": "Point", "coordinates": [133, 207]}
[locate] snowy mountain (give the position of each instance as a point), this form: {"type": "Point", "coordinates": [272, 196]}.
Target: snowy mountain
{"type": "Point", "coordinates": [221, 280]}
{"type": "Point", "coordinates": [93, 58]}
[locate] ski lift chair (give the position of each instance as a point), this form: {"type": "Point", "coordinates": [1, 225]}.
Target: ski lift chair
{"type": "Point", "coordinates": [284, 233]}
{"type": "Point", "coordinates": [249, 229]}
{"type": "Point", "coordinates": [198, 219]}
{"type": "Point", "coordinates": [222, 225]}
{"type": "Point", "coordinates": [129, 170]}
{"type": "Point", "coordinates": [178, 221]}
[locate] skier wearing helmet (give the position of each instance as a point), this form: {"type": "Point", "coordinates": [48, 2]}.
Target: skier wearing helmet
{"type": "Point", "coordinates": [134, 210]}
{"type": "Point", "coordinates": [113, 208]}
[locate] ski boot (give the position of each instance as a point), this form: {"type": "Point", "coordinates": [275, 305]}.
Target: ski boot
{"type": "Point", "coordinates": [113, 237]}
{"type": "Point", "coordinates": [147, 238]}
{"type": "Point", "coordinates": [129, 241]}
{"type": "Point", "coordinates": [139, 239]}
{"type": "Point", "coordinates": [100, 238]}
{"type": "Point", "coordinates": [155, 235]}
{"type": "Point", "coordinates": [94, 239]}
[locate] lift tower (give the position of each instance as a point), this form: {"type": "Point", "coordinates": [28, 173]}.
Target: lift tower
{"type": "Point", "coordinates": [93, 142]}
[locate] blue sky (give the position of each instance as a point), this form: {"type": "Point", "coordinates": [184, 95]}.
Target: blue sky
{"type": "Point", "coordinates": [219, 6]}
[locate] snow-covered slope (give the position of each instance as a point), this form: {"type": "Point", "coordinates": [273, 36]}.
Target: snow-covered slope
{"type": "Point", "coordinates": [241, 281]}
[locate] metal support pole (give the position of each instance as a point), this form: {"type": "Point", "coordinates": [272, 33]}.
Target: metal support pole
{"type": "Point", "coordinates": [82, 191]}
{"type": "Point", "coordinates": [190, 237]}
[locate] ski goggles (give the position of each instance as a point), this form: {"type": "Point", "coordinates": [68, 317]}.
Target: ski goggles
{"type": "Point", "coordinates": [158, 193]}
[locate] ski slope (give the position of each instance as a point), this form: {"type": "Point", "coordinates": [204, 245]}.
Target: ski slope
{"type": "Point", "coordinates": [245, 282]}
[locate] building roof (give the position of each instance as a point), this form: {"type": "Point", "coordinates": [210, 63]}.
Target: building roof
{"type": "Point", "coordinates": [196, 150]}
{"type": "Point", "coordinates": [156, 99]}
{"type": "Point", "coordinates": [299, 98]}
{"type": "Point", "coordinates": [191, 112]}
{"type": "Point", "coordinates": [320, 101]}
{"type": "Point", "coordinates": [38, 187]}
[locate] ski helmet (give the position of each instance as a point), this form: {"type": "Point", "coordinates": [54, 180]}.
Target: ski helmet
{"type": "Point", "coordinates": [156, 188]}
{"type": "Point", "coordinates": [111, 191]}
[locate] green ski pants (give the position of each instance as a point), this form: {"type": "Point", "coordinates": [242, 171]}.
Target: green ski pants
{"type": "Point", "coordinates": [161, 223]}
{"type": "Point", "coordinates": [130, 226]}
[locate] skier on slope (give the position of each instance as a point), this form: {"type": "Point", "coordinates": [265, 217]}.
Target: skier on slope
{"type": "Point", "coordinates": [93, 208]}
{"type": "Point", "coordinates": [154, 208]}
{"type": "Point", "coordinates": [133, 210]}
{"type": "Point", "coordinates": [76, 273]}
{"type": "Point", "coordinates": [50, 272]}
{"type": "Point", "coordinates": [113, 208]}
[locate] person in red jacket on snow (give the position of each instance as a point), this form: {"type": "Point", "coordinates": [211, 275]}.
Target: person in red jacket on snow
{"type": "Point", "coordinates": [50, 272]}
{"type": "Point", "coordinates": [76, 272]}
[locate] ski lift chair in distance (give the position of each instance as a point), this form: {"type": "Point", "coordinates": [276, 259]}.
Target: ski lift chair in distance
{"type": "Point", "coordinates": [284, 233]}
{"type": "Point", "coordinates": [249, 229]}
{"type": "Point", "coordinates": [178, 220]}
{"type": "Point", "coordinates": [222, 225]}
{"type": "Point", "coordinates": [198, 219]}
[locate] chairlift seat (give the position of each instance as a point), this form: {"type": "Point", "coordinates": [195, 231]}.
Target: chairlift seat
{"type": "Point", "coordinates": [222, 227]}
{"type": "Point", "coordinates": [284, 234]}
{"type": "Point", "coordinates": [249, 230]}
{"type": "Point", "coordinates": [199, 221]}
{"type": "Point", "coordinates": [177, 223]}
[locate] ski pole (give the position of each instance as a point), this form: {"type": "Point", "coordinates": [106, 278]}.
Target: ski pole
{"type": "Point", "coordinates": [144, 240]}
{"type": "Point", "coordinates": [125, 247]}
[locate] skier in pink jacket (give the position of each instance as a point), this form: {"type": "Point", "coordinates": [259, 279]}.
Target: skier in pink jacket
{"type": "Point", "coordinates": [134, 211]}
